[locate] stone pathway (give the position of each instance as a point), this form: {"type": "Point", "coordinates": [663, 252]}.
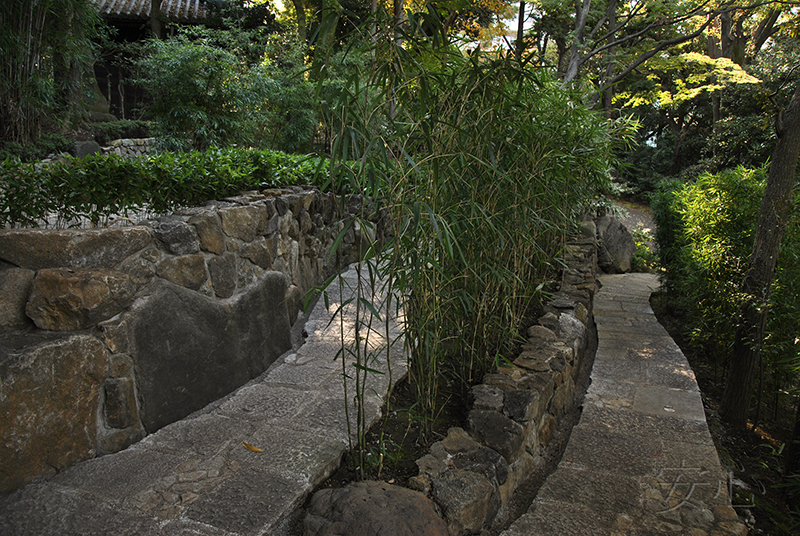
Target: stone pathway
{"type": "Point", "coordinates": [641, 460]}
{"type": "Point", "coordinates": [198, 476]}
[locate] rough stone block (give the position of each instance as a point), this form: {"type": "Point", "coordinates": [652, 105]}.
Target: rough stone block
{"type": "Point", "coordinates": [542, 383]}
{"type": "Point", "coordinates": [487, 397]}
{"type": "Point", "coordinates": [522, 405]}
{"type": "Point", "coordinates": [15, 286]}
{"type": "Point", "coordinates": [485, 461]}
{"type": "Point", "coordinates": [536, 361]}
{"type": "Point", "coordinates": [458, 441]}
{"type": "Point", "coordinates": [140, 270]}
{"type": "Point", "coordinates": [497, 432]}
{"type": "Point", "coordinates": [468, 500]}
{"type": "Point", "coordinates": [191, 350]}
{"type": "Point", "coordinates": [115, 335]}
{"type": "Point", "coordinates": [223, 274]}
{"type": "Point", "coordinates": [187, 271]}
{"type": "Point", "coordinates": [50, 398]}
{"type": "Point", "coordinates": [563, 398]}
{"type": "Point", "coordinates": [572, 332]}
{"type": "Point", "coordinates": [430, 465]}
{"type": "Point", "coordinates": [63, 299]}
{"type": "Point", "coordinates": [243, 222]}
{"type": "Point", "coordinates": [547, 426]}
{"type": "Point", "coordinates": [258, 252]}
{"type": "Point", "coordinates": [119, 408]}
{"type": "Point", "coordinates": [178, 237]}
{"type": "Point", "coordinates": [209, 231]}
{"type": "Point", "coordinates": [541, 334]}
{"type": "Point", "coordinates": [75, 248]}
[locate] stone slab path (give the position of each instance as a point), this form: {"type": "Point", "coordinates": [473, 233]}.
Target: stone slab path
{"type": "Point", "coordinates": [641, 460]}
{"type": "Point", "coordinates": [197, 476]}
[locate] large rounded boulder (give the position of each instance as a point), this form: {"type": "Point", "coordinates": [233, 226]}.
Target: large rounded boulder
{"type": "Point", "coordinates": [371, 509]}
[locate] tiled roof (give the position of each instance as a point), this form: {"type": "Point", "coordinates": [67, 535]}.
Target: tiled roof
{"type": "Point", "coordinates": [174, 10]}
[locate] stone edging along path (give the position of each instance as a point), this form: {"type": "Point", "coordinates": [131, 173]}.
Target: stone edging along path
{"type": "Point", "coordinates": [239, 466]}
{"type": "Point", "coordinates": [641, 460]}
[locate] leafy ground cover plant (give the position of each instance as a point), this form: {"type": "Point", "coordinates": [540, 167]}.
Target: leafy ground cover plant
{"type": "Point", "coordinates": [96, 187]}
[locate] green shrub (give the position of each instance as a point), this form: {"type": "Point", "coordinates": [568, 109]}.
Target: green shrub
{"type": "Point", "coordinates": [290, 104]}
{"type": "Point", "coordinates": [96, 187]}
{"type": "Point", "coordinates": [39, 150]}
{"type": "Point", "coordinates": [206, 89]}
{"type": "Point", "coordinates": [201, 95]}
{"type": "Point", "coordinates": [126, 128]}
{"type": "Point", "coordinates": [705, 235]}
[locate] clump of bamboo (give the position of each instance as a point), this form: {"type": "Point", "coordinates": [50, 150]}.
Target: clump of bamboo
{"type": "Point", "coordinates": [481, 166]}
{"type": "Point", "coordinates": [46, 47]}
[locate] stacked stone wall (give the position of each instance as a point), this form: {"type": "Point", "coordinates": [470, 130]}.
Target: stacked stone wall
{"type": "Point", "coordinates": [109, 334]}
{"type": "Point", "coordinates": [130, 147]}
{"type": "Point", "coordinates": [472, 474]}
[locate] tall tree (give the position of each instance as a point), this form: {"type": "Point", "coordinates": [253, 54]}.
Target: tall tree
{"type": "Point", "coordinates": [609, 40]}
{"type": "Point", "coordinates": [156, 24]}
{"type": "Point", "coordinates": [773, 217]}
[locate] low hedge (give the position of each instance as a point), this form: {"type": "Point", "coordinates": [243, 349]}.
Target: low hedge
{"type": "Point", "coordinates": [99, 186]}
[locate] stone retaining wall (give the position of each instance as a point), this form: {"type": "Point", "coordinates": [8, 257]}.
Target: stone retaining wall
{"type": "Point", "coordinates": [107, 335]}
{"type": "Point", "coordinates": [472, 474]}
{"type": "Point", "coordinates": [130, 148]}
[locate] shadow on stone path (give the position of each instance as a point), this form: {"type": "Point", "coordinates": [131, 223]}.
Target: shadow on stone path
{"type": "Point", "coordinates": [641, 460]}
{"type": "Point", "coordinates": [198, 476]}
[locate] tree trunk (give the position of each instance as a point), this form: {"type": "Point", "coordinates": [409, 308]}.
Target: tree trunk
{"type": "Point", "coordinates": [576, 56]}
{"type": "Point", "coordinates": [156, 24]}
{"type": "Point", "coordinates": [773, 216]}
{"type": "Point", "coordinates": [521, 31]}
{"type": "Point", "coordinates": [300, 13]}
{"type": "Point", "coordinates": [608, 94]}
{"type": "Point", "coordinates": [66, 71]}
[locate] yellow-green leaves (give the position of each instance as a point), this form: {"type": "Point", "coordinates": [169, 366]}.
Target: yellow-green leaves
{"type": "Point", "coordinates": [676, 80]}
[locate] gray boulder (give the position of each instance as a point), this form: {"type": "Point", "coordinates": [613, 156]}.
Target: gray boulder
{"type": "Point", "coordinates": [191, 350]}
{"type": "Point", "coordinates": [81, 149]}
{"type": "Point", "coordinates": [372, 509]}
{"type": "Point", "coordinates": [615, 246]}
{"type": "Point", "coordinates": [469, 500]}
